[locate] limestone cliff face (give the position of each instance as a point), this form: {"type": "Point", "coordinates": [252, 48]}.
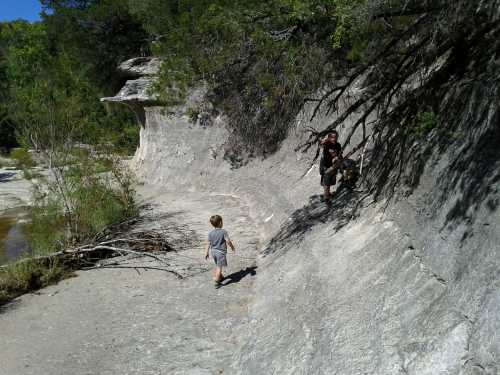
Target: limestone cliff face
{"type": "Point", "coordinates": [361, 287]}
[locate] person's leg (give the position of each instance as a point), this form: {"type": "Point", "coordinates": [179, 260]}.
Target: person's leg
{"type": "Point", "coordinates": [327, 194]}
{"type": "Point", "coordinates": [218, 274]}
{"type": "Point", "coordinates": [326, 187]}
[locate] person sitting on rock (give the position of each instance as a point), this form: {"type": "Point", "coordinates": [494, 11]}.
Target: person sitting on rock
{"type": "Point", "coordinates": [217, 241]}
{"type": "Point", "coordinates": [330, 162]}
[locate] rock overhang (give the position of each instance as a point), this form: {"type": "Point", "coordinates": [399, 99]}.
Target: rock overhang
{"type": "Point", "coordinates": [137, 91]}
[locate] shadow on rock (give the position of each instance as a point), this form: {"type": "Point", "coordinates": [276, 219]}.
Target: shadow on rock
{"type": "Point", "coordinates": [181, 236]}
{"type": "Point", "coordinates": [467, 140]}
{"type": "Point", "coordinates": [236, 277]}
{"type": "Point", "coordinates": [11, 305]}
{"type": "Point", "coordinates": [473, 177]}
{"type": "Point", "coordinates": [339, 213]}
{"type": "Point", "coordinates": [6, 176]}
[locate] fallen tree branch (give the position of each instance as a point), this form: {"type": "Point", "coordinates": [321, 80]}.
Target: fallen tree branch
{"type": "Point", "coordinates": [137, 268]}
{"type": "Point", "coordinates": [140, 243]}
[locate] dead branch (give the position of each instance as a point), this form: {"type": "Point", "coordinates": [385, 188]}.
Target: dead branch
{"type": "Point", "coordinates": [140, 243]}
{"type": "Point", "coordinates": [137, 268]}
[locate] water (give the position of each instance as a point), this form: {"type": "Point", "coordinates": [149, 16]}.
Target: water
{"type": "Point", "coordinates": [13, 240]}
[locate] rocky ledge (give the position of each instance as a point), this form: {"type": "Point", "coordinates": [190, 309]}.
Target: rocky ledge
{"type": "Point", "coordinates": [137, 92]}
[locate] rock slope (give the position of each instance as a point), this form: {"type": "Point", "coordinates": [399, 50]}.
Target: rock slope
{"type": "Point", "coordinates": [359, 288]}
{"type": "Point", "coordinates": [364, 286]}
{"type": "Point", "coordinates": [406, 286]}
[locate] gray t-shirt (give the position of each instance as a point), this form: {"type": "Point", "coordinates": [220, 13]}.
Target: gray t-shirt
{"type": "Point", "coordinates": [217, 238]}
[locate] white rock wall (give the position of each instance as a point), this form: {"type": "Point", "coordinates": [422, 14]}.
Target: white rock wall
{"type": "Point", "coordinates": [398, 290]}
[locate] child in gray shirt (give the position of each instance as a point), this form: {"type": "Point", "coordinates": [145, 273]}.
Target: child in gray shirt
{"type": "Point", "coordinates": [217, 241]}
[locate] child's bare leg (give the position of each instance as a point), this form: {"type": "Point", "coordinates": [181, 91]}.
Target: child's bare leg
{"type": "Point", "coordinates": [328, 195]}
{"type": "Point", "coordinates": [218, 277]}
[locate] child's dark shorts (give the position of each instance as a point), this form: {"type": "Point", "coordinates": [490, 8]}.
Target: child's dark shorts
{"type": "Point", "coordinates": [219, 258]}
{"type": "Point", "coordinates": [328, 180]}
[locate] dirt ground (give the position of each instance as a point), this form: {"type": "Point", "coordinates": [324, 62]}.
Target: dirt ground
{"type": "Point", "coordinates": [123, 321]}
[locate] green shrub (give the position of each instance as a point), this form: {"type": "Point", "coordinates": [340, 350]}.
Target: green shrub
{"type": "Point", "coordinates": [424, 123]}
{"type": "Point", "coordinates": [28, 275]}
{"type": "Point", "coordinates": [46, 230]}
{"type": "Point", "coordinates": [22, 158]}
{"type": "Point", "coordinates": [82, 203]}
{"type": "Point", "coordinates": [67, 211]}
{"type": "Point", "coordinates": [192, 113]}
{"type": "Point", "coordinates": [126, 139]}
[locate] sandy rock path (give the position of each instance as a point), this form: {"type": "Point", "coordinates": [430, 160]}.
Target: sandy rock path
{"type": "Point", "coordinates": [15, 191]}
{"type": "Point", "coordinates": [119, 321]}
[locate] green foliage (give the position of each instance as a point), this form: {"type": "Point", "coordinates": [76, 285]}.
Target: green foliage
{"type": "Point", "coordinates": [52, 74]}
{"type": "Point", "coordinates": [24, 161]}
{"type": "Point", "coordinates": [13, 36]}
{"type": "Point", "coordinates": [88, 196]}
{"type": "Point", "coordinates": [26, 51]}
{"type": "Point", "coordinates": [46, 231]}
{"type": "Point", "coordinates": [56, 107]}
{"type": "Point", "coordinates": [51, 96]}
{"type": "Point", "coordinates": [260, 60]}
{"type": "Point", "coordinates": [99, 34]}
{"type": "Point", "coordinates": [425, 123]}
{"type": "Point", "coordinates": [428, 121]}
{"type": "Point", "coordinates": [344, 10]}
{"type": "Point", "coordinates": [28, 275]}
{"type": "Point", "coordinates": [22, 158]}
{"type": "Point", "coordinates": [118, 129]}
{"type": "Point", "coordinates": [156, 16]}
{"type": "Point", "coordinates": [193, 114]}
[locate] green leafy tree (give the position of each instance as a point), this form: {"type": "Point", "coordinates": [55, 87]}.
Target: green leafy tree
{"type": "Point", "coordinates": [101, 34]}
{"type": "Point", "coordinates": [261, 60]}
{"type": "Point", "coordinates": [50, 98]}
{"type": "Point", "coordinates": [56, 108]}
{"type": "Point", "coordinates": [36, 75]}
{"type": "Point", "coordinates": [23, 53]}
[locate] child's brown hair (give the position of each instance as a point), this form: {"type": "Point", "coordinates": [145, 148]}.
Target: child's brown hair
{"type": "Point", "coordinates": [216, 221]}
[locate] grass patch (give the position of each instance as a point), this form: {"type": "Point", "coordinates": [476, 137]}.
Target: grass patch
{"type": "Point", "coordinates": [29, 275]}
{"type": "Point", "coordinates": [22, 158]}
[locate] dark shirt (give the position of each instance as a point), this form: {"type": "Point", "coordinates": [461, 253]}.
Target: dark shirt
{"type": "Point", "coordinates": [327, 157]}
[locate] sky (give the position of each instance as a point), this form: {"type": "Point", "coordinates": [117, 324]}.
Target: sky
{"type": "Point", "coordinates": [15, 9]}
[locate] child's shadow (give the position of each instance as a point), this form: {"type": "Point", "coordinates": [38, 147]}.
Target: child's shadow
{"type": "Point", "coordinates": [237, 276]}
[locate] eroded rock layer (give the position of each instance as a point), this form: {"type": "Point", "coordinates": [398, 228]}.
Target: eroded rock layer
{"type": "Point", "coordinates": [407, 286]}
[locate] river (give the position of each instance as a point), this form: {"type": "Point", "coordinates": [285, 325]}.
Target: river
{"type": "Point", "coordinates": [15, 197]}
{"type": "Point", "coordinates": [12, 237]}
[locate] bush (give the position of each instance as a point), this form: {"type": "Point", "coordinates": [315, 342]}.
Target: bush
{"type": "Point", "coordinates": [46, 230]}
{"type": "Point", "coordinates": [80, 203]}
{"type": "Point", "coordinates": [126, 139]}
{"type": "Point", "coordinates": [28, 275]}
{"type": "Point", "coordinates": [22, 158]}
{"type": "Point", "coordinates": [426, 122]}
{"type": "Point", "coordinates": [193, 114]}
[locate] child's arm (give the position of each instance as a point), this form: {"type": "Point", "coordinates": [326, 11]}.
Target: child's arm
{"type": "Point", "coordinates": [231, 245]}
{"type": "Point", "coordinates": [229, 242]}
{"type": "Point", "coordinates": [207, 248]}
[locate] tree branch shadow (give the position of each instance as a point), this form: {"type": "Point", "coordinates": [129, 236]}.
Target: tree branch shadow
{"type": "Point", "coordinates": [339, 212]}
